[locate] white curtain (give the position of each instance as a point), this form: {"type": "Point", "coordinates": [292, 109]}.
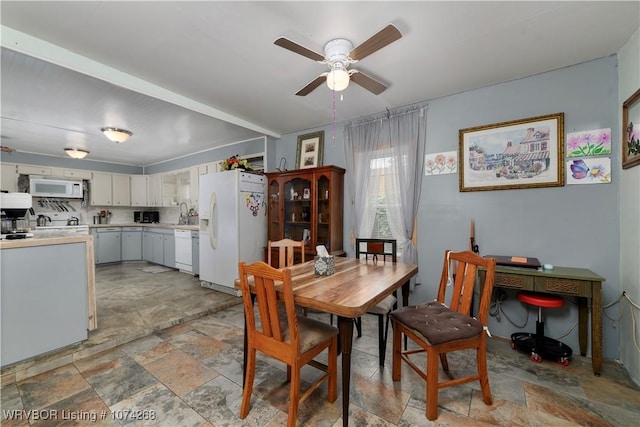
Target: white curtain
{"type": "Point", "coordinates": [387, 149]}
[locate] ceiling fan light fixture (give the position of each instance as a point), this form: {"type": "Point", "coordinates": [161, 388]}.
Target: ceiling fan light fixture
{"type": "Point", "coordinates": [338, 79]}
{"type": "Point", "coordinates": [116, 135]}
{"type": "Point", "coordinates": [76, 153]}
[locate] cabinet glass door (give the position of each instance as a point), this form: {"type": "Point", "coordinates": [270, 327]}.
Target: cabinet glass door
{"type": "Point", "coordinates": [324, 208]}
{"type": "Point", "coordinates": [297, 212]}
{"type": "Point", "coordinates": [274, 231]}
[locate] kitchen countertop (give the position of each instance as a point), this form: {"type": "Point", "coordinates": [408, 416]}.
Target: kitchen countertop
{"type": "Point", "coordinates": [147, 225]}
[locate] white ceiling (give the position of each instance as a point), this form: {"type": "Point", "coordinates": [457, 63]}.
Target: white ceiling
{"type": "Point", "coordinates": [189, 76]}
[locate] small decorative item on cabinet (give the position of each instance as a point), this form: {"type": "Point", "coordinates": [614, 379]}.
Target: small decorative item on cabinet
{"type": "Point", "coordinates": [102, 217]}
{"type": "Point", "coordinates": [235, 162]}
{"type": "Point", "coordinates": [306, 194]}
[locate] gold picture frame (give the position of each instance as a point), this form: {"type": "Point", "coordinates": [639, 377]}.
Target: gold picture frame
{"type": "Point", "coordinates": [631, 131]}
{"type": "Point", "coordinates": [310, 150]}
{"type": "Point", "coordinates": [525, 153]}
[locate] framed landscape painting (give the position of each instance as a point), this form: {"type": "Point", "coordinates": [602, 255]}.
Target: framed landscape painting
{"type": "Point", "coordinates": [526, 153]}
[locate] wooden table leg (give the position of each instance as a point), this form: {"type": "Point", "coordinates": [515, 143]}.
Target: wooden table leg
{"type": "Point", "coordinates": [345, 325]}
{"type": "Point", "coordinates": [405, 294]}
{"type": "Point", "coordinates": [583, 323]}
{"type": "Point", "coordinates": [596, 328]}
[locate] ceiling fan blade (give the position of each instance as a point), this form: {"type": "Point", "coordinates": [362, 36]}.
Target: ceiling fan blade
{"type": "Point", "coordinates": [367, 82]}
{"type": "Point", "coordinates": [312, 85]}
{"type": "Point", "coordinates": [387, 35]}
{"type": "Point", "coordinates": [300, 50]}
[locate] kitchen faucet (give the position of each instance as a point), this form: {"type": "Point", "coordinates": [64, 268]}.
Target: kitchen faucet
{"type": "Point", "coordinates": [183, 219]}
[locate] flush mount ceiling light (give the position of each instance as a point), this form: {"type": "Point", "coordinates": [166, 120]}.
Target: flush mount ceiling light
{"type": "Point", "coordinates": [76, 153]}
{"type": "Point", "coordinates": [116, 135]}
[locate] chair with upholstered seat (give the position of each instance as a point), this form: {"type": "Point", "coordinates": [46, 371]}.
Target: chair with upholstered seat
{"type": "Point", "coordinates": [376, 250]}
{"type": "Point", "coordinates": [279, 333]}
{"type": "Point", "coordinates": [286, 252]}
{"type": "Point", "coordinates": [438, 328]}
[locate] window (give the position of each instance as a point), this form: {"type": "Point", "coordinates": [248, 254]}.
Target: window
{"type": "Point", "coordinates": [383, 202]}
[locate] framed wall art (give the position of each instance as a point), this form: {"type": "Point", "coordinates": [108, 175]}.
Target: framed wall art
{"type": "Point", "coordinates": [526, 153]}
{"type": "Point", "coordinates": [631, 131]}
{"type": "Point", "coordinates": [310, 150]}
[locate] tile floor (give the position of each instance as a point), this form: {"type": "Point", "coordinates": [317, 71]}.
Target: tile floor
{"type": "Point", "coordinates": [189, 373]}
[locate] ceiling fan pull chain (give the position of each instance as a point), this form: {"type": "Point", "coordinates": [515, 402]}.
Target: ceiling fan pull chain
{"type": "Point", "coordinates": [333, 95]}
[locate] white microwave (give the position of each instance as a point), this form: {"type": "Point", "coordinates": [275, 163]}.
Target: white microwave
{"type": "Point", "coordinates": [45, 187]}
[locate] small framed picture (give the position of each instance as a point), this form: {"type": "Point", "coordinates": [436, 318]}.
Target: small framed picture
{"type": "Point", "coordinates": [310, 150]}
{"type": "Point", "coordinates": [631, 131]}
{"type": "Point", "coordinates": [306, 194]}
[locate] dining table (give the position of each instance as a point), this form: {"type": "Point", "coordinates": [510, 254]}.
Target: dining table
{"type": "Point", "coordinates": [356, 286]}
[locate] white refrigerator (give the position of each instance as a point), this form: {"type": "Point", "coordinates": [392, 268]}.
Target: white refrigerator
{"type": "Point", "coordinates": [233, 226]}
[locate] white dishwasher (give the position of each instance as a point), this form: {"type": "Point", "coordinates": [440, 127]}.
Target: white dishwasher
{"type": "Point", "coordinates": [183, 250]}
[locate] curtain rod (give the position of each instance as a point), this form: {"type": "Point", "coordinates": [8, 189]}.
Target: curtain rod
{"type": "Point", "coordinates": [394, 112]}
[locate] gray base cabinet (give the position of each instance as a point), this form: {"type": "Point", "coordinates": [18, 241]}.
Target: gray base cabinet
{"type": "Point", "coordinates": [131, 243]}
{"type": "Point", "coordinates": [195, 253]}
{"type": "Point", "coordinates": [158, 246]}
{"type": "Point", "coordinates": [108, 247]}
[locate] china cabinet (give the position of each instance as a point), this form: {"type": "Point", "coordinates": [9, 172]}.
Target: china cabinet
{"type": "Point", "coordinates": [307, 204]}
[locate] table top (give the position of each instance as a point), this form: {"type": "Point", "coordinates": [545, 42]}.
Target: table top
{"type": "Point", "coordinates": [355, 287]}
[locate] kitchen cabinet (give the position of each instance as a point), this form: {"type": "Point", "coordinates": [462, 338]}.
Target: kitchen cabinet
{"type": "Point", "coordinates": [108, 247]}
{"type": "Point", "coordinates": [154, 195]}
{"type": "Point", "coordinates": [195, 253]}
{"type": "Point", "coordinates": [131, 243]}
{"type": "Point", "coordinates": [183, 187]}
{"type": "Point", "coordinates": [35, 170]}
{"type": "Point", "coordinates": [101, 189]}
{"type": "Point", "coordinates": [169, 258]}
{"type": "Point", "coordinates": [307, 204]}
{"type": "Point", "coordinates": [77, 174]}
{"type": "Point", "coordinates": [9, 177]}
{"type": "Point", "coordinates": [147, 245]}
{"type": "Point", "coordinates": [194, 182]}
{"type": "Point", "coordinates": [158, 246]}
{"type": "Point", "coordinates": [139, 190]}
{"type": "Point", "coordinates": [121, 190]}
{"type": "Point", "coordinates": [169, 189]}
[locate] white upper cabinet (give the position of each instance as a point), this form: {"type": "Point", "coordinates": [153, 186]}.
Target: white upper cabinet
{"type": "Point", "coordinates": [9, 177]}
{"type": "Point", "coordinates": [139, 190]}
{"type": "Point", "coordinates": [154, 194]}
{"type": "Point", "coordinates": [121, 190]}
{"type": "Point", "coordinates": [101, 189]}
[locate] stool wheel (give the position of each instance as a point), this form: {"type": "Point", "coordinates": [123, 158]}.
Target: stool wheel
{"type": "Point", "coordinates": [513, 345]}
{"type": "Point", "coordinates": [535, 357]}
{"type": "Point", "coordinates": [564, 361]}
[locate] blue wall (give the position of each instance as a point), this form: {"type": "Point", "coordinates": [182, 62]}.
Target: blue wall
{"type": "Point", "coordinates": [575, 225]}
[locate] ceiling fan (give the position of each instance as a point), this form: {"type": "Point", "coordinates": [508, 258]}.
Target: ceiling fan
{"type": "Point", "coordinates": [339, 54]}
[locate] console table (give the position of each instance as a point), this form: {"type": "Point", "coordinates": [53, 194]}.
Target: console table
{"type": "Point", "coordinates": [576, 282]}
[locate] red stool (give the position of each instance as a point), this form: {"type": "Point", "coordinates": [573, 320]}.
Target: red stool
{"type": "Point", "coordinates": [537, 345]}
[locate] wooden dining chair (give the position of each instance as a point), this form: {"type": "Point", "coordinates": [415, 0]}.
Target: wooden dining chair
{"type": "Point", "coordinates": [379, 250]}
{"type": "Point", "coordinates": [279, 333]}
{"type": "Point", "coordinates": [286, 251]}
{"type": "Point", "coordinates": [439, 328]}
{"type": "Point", "coordinates": [286, 255]}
